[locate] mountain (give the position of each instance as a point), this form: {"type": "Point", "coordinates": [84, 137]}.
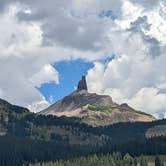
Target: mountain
{"type": "Point", "coordinates": [27, 137]}
{"type": "Point", "coordinates": [19, 121]}
{"type": "Point", "coordinates": [9, 113]}
{"type": "Point", "coordinates": [94, 109]}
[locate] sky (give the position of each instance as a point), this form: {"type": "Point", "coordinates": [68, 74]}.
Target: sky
{"type": "Point", "coordinates": [70, 74]}
{"type": "Point", "coordinates": [120, 45]}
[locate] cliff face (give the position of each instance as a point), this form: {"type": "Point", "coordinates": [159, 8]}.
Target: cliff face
{"type": "Point", "coordinates": [82, 85]}
{"type": "Point", "coordinates": [77, 99]}
{"type": "Point", "coordinates": [94, 109]}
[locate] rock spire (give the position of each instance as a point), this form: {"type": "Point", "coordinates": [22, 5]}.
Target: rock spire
{"type": "Point", "coordinates": [82, 85]}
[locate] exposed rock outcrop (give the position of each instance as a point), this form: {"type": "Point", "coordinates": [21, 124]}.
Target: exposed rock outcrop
{"type": "Point", "coordinates": [94, 109]}
{"type": "Point", "coordinates": [77, 100]}
{"type": "Point", "coordinates": [82, 85]}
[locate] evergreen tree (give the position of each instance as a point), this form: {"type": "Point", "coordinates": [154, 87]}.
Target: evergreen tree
{"type": "Point", "coordinates": [158, 161]}
{"type": "Point", "coordinates": [135, 162]}
{"type": "Point", "coordinates": [143, 161]}
{"type": "Point", "coordinates": [128, 160]}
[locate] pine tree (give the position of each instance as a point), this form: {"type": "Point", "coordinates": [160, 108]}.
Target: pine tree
{"type": "Point", "coordinates": [158, 161]}
{"type": "Point", "coordinates": [135, 162]}
{"type": "Point", "coordinates": [143, 161]}
{"type": "Point", "coordinates": [128, 160]}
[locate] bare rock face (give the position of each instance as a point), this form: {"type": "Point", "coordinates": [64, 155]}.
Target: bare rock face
{"type": "Point", "coordinates": [77, 100]}
{"type": "Point", "coordinates": [94, 109]}
{"type": "Point", "coordinates": [82, 84]}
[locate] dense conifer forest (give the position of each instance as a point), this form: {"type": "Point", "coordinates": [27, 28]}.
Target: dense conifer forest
{"type": "Point", "coordinates": [30, 138]}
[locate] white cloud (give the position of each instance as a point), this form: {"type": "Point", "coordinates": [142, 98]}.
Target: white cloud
{"type": "Point", "coordinates": [46, 75]}
{"type": "Point", "coordinates": [26, 63]}
{"type": "Point", "coordinates": [38, 106]}
{"type": "Point", "coordinates": [36, 34]}
{"type": "Point", "coordinates": [18, 68]}
{"type": "Point", "coordinates": [94, 74]}
{"type": "Point", "coordinates": [17, 36]}
{"type": "Point", "coordinates": [137, 82]}
{"type": "Point", "coordinates": [150, 99]}
{"type": "Point", "coordinates": [137, 73]}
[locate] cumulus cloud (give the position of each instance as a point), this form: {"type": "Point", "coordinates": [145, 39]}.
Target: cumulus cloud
{"type": "Point", "coordinates": [148, 4]}
{"type": "Point", "coordinates": [37, 34]}
{"type": "Point", "coordinates": [45, 75]}
{"type": "Point", "coordinates": [139, 83]}
{"type": "Point", "coordinates": [137, 70]}
{"type": "Point", "coordinates": [150, 99]}
{"type": "Point", "coordinates": [25, 62]}
{"type": "Point", "coordinates": [71, 25]}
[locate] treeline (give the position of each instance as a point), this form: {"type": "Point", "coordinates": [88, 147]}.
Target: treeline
{"type": "Point", "coordinates": [116, 159]}
{"type": "Point", "coordinates": [29, 124]}
{"type": "Point", "coordinates": [35, 138]}
{"type": "Point", "coordinates": [16, 151]}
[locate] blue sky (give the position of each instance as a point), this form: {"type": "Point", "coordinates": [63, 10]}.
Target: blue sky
{"type": "Point", "coordinates": [70, 73]}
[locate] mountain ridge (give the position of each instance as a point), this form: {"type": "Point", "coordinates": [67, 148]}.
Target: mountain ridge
{"type": "Point", "coordinates": [79, 102]}
{"type": "Point", "coordinates": [24, 134]}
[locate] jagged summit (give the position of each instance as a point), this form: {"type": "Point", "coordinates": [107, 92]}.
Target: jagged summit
{"type": "Point", "coordinates": [94, 109]}
{"type": "Point", "coordinates": [77, 99]}
{"type": "Point", "coordinates": [82, 85]}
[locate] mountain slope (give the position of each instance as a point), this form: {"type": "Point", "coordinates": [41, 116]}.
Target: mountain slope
{"type": "Point", "coordinates": [18, 121]}
{"type": "Point", "coordinates": [94, 109]}
{"type": "Point", "coordinates": [30, 137]}
{"type": "Point", "coordinates": [10, 113]}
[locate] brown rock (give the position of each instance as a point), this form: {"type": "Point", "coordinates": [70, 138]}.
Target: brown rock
{"type": "Point", "coordinates": [94, 109]}
{"type": "Point", "coordinates": [82, 85]}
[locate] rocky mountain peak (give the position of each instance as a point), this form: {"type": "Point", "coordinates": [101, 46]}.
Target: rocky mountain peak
{"type": "Point", "coordinates": [82, 85]}
{"type": "Point", "coordinates": [94, 109]}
